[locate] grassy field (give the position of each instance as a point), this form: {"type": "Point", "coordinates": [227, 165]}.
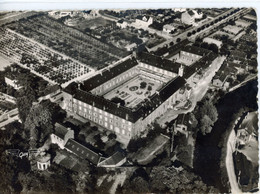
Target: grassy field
{"type": "Point", "coordinates": [82, 24]}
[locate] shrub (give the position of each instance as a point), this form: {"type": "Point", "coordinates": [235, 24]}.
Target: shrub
{"type": "Point", "coordinates": [143, 85]}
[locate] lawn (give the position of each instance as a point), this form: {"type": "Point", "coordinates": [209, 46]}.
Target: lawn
{"type": "Point", "coordinates": [132, 92]}
{"type": "Point", "coordinates": [94, 23]}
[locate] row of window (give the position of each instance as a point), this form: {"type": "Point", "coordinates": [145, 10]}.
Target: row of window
{"type": "Point", "coordinates": [156, 69]}
{"type": "Point", "coordinates": [115, 81]}
{"type": "Point", "coordinates": [98, 113]}
{"type": "Point", "coordinates": [190, 54]}
{"type": "Point", "coordinates": [109, 125]}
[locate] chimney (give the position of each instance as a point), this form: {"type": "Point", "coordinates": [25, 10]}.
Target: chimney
{"type": "Point", "coordinates": [126, 117]}
{"type": "Point", "coordinates": [118, 105]}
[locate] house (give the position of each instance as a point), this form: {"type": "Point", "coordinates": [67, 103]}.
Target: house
{"type": "Point", "coordinates": [143, 21]}
{"type": "Point", "coordinates": [130, 47]}
{"type": "Point", "coordinates": [232, 29]}
{"type": "Point", "coordinates": [168, 28]}
{"type": "Point", "coordinates": [209, 40]}
{"type": "Point", "coordinates": [183, 124]}
{"type": "Point", "coordinates": [243, 23]}
{"type": "Point", "coordinates": [83, 152]}
{"type": "Point", "coordinates": [179, 9]}
{"type": "Point", "coordinates": [61, 135]}
{"type": "Point", "coordinates": [250, 17]}
{"type": "Point", "coordinates": [116, 160]}
{"type": "Point", "coordinates": [220, 81]}
{"type": "Point", "coordinates": [121, 24]}
{"type": "Point", "coordinates": [12, 82]}
{"type": "Point", "coordinates": [189, 17]}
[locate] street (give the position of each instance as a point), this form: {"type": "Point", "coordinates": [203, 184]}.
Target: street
{"type": "Point", "coordinates": [230, 164]}
{"type": "Point", "coordinates": [197, 92]}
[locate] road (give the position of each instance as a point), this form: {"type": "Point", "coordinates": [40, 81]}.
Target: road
{"type": "Point", "coordinates": [197, 92]}
{"type": "Point", "coordinates": [184, 34]}
{"type": "Point", "coordinates": [242, 83]}
{"type": "Point", "coordinates": [230, 164]}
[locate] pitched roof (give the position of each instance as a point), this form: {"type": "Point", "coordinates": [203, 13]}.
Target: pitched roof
{"type": "Point", "coordinates": [183, 119]}
{"type": "Point", "coordinates": [195, 50]}
{"type": "Point", "coordinates": [172, 49]}
{"type": "Point", "coordinates": [82, 151]}
{"type": "Point", "coordinates": [107, 75]}
{"type": "Point", "coordinates": [159, 62]}
{"type": "Point", "coordinates": [114, 159]}
{"type": "Point", "coordinates": [141, 111]}
{"type": "Point", "coordinates": [203, 63]}
{"type": "Point", "coordinates": [60, 130]}
{"type": "Point", "coordinates": [191, 13]}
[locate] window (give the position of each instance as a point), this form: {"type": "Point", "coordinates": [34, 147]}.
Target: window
{"type": "Point", "coordinates": [100, 122]}
{"type": "Point", "coordinates": [111, 127]}
{"type": "Point", "coordinates": [129, 123]}
{"type": "Point", "coordinates": [90, 107]}
{"type": "Point", "coordinates": [100, 111]}
{"type": "Point", "coordinates": [106, 119]}
{"type": "Point", "coordinates": [80, 108]}
{"type": "Point", "coordinates": [89, 111]}
{"type": "Point", "coordinates": [129, 128]}
{"type": "Point", "coordinates": [79, 102]}
{"type": "Point", "coordinates": [95, 114]}
{"type": "Point", "coordinates": [100, 116]}
{"type": "Point", "coordinates": [105, 113]}
{"type": "Point", "coordinates": [85, 105]}
{"type": "Point", "coordinates": [117, 130]}
{"type": "Point", "coordinates": [74, 100]}
{"type": "Point", "coordinates": [123, 131]}
{"type": "Point", "coordinates": [90, 117]}
{"type": "Point", "coordinates": [85, 110]}
{"type": "Point", "coordinates": [95, 119]}
{"type": "Point", "coordinates": [95, 109]}
{"type": "Point", "coordinates": [105, 124]}
{"type": "Point", "coordinates": [111, 116]}
{"type": "Point", "coordinates": [123, 120]}
{"type": "Point", "coordinates": [111, 120]}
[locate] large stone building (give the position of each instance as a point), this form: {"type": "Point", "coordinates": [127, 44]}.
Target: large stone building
{"type": "Point", "coordinates": [93, 98]}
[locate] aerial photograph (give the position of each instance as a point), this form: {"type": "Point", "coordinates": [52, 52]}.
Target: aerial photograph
{"type": "Point", "coordinates": [122, 101]}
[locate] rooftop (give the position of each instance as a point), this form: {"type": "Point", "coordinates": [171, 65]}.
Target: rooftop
{"type": "Point", "coordinates": [232, 29]}
{"type": "Point", "coordinates": [195, 50]}
{"type": "Point", "coordinates": [60, 130]}
{"type": "Point", "coordinates": [108, 74]}
{"type": "Point", "coordinates": [82, 151]}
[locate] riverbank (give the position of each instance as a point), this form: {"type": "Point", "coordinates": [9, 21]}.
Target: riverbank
{"type": "Point", "coordinates": [208, 150]}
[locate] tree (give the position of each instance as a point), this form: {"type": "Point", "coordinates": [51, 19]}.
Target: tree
{"type": "Point", "coordinates": [39, 123]}
{"type": "Point", "coordinates": [178, 40]}
{"type": "Point", "coordinates": [149, 88]}
{"type": "Point", "coordinates": [213, 48]}
{"type": "Point", "coordinates": [169, 180]}
{"type": "Point", "coordinates": [206, 124]}
{"type": "Point", "coordinates": [26, 97]}
{"type": "Point", "coordinates": [143, 85]}
{"type": "Point", "coordinates": [210, 110]}
{"type": "Point", "coordinates": [118, 100]}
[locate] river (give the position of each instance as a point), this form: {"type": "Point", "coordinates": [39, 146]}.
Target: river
{"type": "Point", "coordinates": [207, 152]}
